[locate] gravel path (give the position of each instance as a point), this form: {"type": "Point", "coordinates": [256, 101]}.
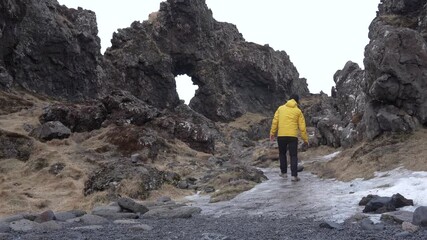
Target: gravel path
{"type": "Point", "coordinates": [202, 227]}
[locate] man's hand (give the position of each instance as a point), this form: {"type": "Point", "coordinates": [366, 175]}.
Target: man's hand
{"type": "Point", "coordinates": [271, 138]}
{"type": "Point", "coordinates": [305, 145]}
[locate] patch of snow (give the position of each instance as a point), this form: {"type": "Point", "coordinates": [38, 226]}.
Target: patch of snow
{"type": "Point", "coordinates": [330, 156]}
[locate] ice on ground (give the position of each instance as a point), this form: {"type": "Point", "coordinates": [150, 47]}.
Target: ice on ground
{"type": "Point", "coordinates": [312, 197]}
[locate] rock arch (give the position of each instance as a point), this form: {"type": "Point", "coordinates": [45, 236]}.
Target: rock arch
{"type": "Point", "coordinates": [234, 76]}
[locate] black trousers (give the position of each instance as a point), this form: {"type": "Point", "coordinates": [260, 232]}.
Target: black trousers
{"type": "Point", "coordinates": [291, 143]}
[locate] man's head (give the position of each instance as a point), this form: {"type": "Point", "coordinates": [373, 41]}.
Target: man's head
{"type": "Point", "coordinates": [294, 97]}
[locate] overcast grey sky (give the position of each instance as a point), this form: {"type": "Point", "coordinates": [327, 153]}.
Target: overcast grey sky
{"type": "Point", "coordinates": [319, 36]}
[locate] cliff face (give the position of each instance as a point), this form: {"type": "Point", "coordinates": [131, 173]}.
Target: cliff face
{"type": "Point", "coordinates": [396, 68]}
{"type": "Point", "coordinates": [51, 50]}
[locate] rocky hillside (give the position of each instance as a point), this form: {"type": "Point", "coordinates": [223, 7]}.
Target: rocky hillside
{"type": "Point", "coordinates": [78, 128]}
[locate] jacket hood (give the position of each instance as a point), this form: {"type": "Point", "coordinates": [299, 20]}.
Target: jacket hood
{"type": "Point", "coordinates": [291, 103]}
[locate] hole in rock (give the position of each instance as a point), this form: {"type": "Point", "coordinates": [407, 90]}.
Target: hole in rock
{"type": "Point", "coordinates": [185, 88]}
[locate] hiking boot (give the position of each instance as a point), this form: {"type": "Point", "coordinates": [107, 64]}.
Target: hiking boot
{"type": "Point", "coordinates": [295, 179]}
{"type": "Point", "coordinates": [283, 175]}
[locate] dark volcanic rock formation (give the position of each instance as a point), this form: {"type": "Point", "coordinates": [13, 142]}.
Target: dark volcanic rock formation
{"type": "Point", "coordinates": [107, 178]}
{"type": "Point", "coordinates": [51, 130]}
{"type": "Point", "coordinates": [350, 98]}
{"type": "Point", "coordinates": [49, 49]}
{"type": "Point", "coordinates": [233, 76]}
{"type": "Point", "coordinates": [78, 118]}
{"type": "Point", "coordinates": [390, 94]}
{"type": "Point", "coordinates": [342, 123]}
{"type": "Point", "coordinates": [337, 118]}
{"type": "Point", "coordinates": [396, 68]}
{"type": "Point", "coordinates": [52, 50]}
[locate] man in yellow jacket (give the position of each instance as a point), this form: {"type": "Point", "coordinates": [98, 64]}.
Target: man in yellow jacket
{"type": "Point", "coordinates": [287, 122]}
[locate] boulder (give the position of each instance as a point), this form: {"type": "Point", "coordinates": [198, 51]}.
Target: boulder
{"type": "Point", "coordinates": [398, 216]}
{"type": "Point", "coordinates": [409, 227]}
{"type": "Point", "coordinates": [104, 210]}
{"type": "Point", "coordinates": [45, 216]}
{"type": "Point", "coordinates": [77, 213]}
{"type": "Point", "coordinates": [64, 216]}
{"type": "Point", "coordinates": [420, 216]}
{"type": "Point", "coordinates": [13, 218]}
{"type": "Point", "coordinates": [78, 118]}
{"type": "Point", "coordinates": [108, 177]}
{"type": "Point", "coordinates": [168, 213]}
{"type": "Point", "coordinates": [377, 204]}
{"type": "Point", "coordinates": [89, 219]}
{"type": "Point", "coordinates": [51, 130]}
{"type": "Point", "coordinates": [400, 201]}
{"type": "Point", "coordinates": [123, 107]}
{"type": "Point", "coordinates": [130, 205]}
{"type": "Point", "coordinates": [199, 132]}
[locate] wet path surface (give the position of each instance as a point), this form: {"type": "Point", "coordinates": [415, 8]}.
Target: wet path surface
{"type": "Point", "coordinates": [281, 197]}
{"type": "Point", "coordinates": [311, 197]}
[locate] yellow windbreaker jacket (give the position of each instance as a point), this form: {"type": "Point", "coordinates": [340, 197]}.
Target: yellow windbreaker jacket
{"type": "Point", "coordinates": [287, 120]}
